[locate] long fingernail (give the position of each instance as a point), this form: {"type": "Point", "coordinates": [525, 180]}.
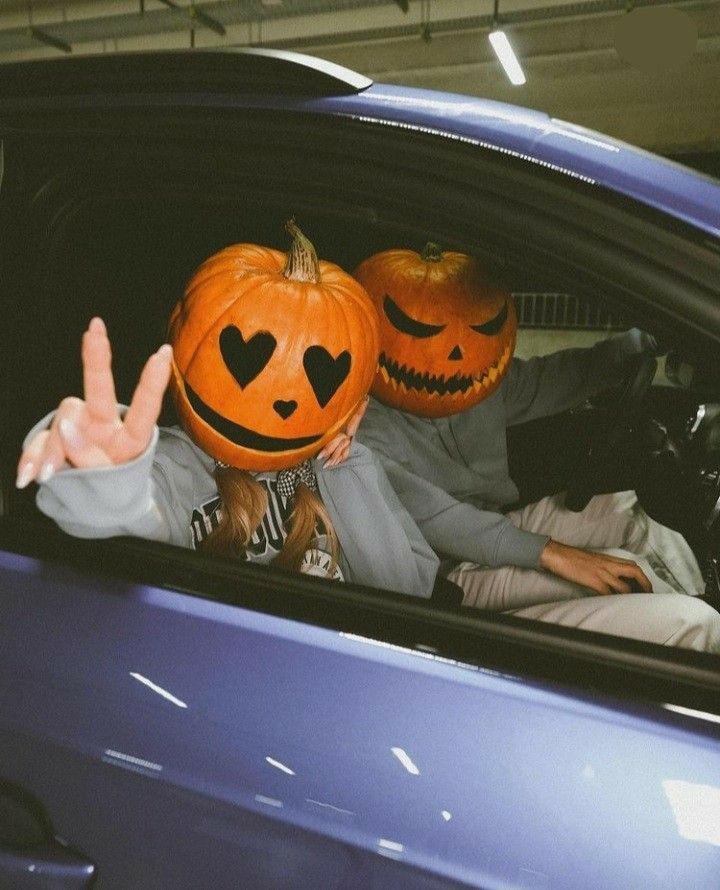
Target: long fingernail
{"type": "Point", "coordinates": [46, 472]}
{"type": "Point", "coordinates": [70, 432]}
{"type": "Point", "coordinates": [25, 475]}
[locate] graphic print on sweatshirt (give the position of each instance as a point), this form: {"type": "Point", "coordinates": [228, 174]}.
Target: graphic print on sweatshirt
{"type": "Point", "coordinates": [269, 536]}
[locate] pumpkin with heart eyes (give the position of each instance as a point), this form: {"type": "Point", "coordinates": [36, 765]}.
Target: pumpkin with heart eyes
{"type": "Point", "coordinates": [273, 353]}
{"type": "Point", "coordinates": [446, 334]}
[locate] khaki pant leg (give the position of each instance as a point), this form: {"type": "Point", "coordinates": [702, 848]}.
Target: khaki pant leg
{"type": "Point", "coordinates": [610, 523]}
{"type": "Point", "coordinates": [671, 620]}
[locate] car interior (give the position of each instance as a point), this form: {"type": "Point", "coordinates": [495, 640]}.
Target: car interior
{"type": "Point", "coordinates": [110, 216]}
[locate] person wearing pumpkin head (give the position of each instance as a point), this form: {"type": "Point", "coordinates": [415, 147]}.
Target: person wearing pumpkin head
{"type": "Point", "coordinates": [446, 390]}
{"type": "Point", "coordinates": [264, 467]}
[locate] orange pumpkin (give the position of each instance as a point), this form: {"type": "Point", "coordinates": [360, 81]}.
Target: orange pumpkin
{"type": "Point", "coordinates": [272, 353]}
{"type": "Point", "coordinates": [446, 335]}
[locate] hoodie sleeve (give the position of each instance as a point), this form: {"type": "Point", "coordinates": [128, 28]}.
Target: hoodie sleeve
{"type": "Point", "coordinates": [382, 546]}
{"type": "Point", "coordinates": [549, 384]}
{"type": "Point", "coordinates": [143, 497]}
{"type": "Point", "coordinates": [460, 530]}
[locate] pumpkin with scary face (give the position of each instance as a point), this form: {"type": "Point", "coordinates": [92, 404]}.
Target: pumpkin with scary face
{"type": "Point", "coordinates": [272, 354]}
{"type": "Point", "coordinates": [446, 335]}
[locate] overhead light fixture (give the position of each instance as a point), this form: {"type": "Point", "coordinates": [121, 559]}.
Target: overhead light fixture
{"type": "Point", "coordinates": [500, 43]}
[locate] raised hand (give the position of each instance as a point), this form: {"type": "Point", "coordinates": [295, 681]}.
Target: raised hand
{"type": "Point", "coordinates": [338, 448]}
{"type": "Point", "coordinates": [90, 432]}
{"type": "Point", "coordinates": [599, 571]}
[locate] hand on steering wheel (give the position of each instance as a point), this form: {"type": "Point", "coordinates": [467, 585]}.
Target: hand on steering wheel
{"type": "Point", "coordinates": [90, 432]}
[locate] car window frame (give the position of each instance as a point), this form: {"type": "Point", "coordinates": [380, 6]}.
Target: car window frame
{"type": "Point", "coordinates": [485, 186]}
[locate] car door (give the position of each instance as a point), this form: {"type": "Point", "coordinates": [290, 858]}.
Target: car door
{"type": "Point", "coordinates": [229, 739]}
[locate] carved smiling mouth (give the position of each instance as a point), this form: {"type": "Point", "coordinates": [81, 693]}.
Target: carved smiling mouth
{"type": "Point", "coordinates": [241, 435]}
{"type": "Point", "coordinates": [408, 379]}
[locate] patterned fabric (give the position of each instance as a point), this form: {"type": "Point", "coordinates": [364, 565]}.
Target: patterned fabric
{"type": "Point", "coordinates": [268, 538]}
{"type": "Point", "coordinates": [288, 480]}
{"type": "Point", "coordinates": [319, 563]}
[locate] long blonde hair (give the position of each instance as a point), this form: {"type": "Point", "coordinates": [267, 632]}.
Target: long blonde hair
{"type": "Point", "coordinates": [243, 502]}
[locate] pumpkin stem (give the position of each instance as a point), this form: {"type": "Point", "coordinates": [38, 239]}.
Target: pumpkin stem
{"type": "Point", "coordinates": [302, 262]}
{"type": "Point", "coordinates": [431, 253]}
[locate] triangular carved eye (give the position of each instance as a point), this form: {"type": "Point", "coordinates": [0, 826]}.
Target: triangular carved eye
{"type": "Point", "coordinates": [325, 373]}
{"type": "Point", "coordinates": [245, 360]}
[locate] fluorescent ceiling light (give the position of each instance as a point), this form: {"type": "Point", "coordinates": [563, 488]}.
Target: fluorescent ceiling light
{"type": "Point", "coordinates": [507, 57]}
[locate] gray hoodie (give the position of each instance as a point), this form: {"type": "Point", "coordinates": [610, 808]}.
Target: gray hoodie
{"type": "Point", "coordinates": [451, 473]}
{"type": "Point", "coordinates": [155, 495]}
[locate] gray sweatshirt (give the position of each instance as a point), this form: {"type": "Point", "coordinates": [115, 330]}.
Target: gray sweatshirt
{"type": "Point", "coordinates": [157, 494]}
{"type": "Point", "coordinates": [451, 473]}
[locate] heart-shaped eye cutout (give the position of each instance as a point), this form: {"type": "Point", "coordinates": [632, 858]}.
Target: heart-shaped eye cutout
{"type": "Point", "coordinates": [245, 360]}
{"type": "Point", "coordinates": [285, 409]}
{"type": "Point", "coordinates": [325, 373]}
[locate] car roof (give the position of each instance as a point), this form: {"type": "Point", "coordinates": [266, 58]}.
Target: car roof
{"type": "Point", "coordinates": [537, 138]}
{"type": "Point", "coordinates": [281, 80]}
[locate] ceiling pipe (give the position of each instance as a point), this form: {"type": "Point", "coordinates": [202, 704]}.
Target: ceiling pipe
{"type": "Point", "coordinates": [49, 39]}
{"type": "Point", "coordinates": [201, 16]}
{"type": "Point", "coordinates": [473, 23]}
{"type": "Point", "coordinates": [171, 19]}
{"type": "Point", "coordinates": [198, 15]}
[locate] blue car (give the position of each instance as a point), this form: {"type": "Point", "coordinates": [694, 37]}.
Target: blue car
{"type": "Point", "coordinates": [170, 719]}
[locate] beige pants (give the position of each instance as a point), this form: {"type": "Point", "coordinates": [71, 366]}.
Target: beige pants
{"type": "Point", "coordinates": [614, 524]}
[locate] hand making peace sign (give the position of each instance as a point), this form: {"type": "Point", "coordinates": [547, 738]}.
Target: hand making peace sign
{"type": "Point", "coordinates": [91, 433]}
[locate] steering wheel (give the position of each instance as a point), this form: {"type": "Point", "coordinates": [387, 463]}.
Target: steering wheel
{"type": "Point", "coordinates": [616, 418]}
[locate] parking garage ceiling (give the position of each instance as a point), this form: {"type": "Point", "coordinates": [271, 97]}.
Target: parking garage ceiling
{"type": "Point", "coordinates": [569, 51]}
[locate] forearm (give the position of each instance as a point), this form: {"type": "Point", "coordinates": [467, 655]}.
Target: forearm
{"type": "Point", "coordinates": [489, 539]}
{"type": "Point", "coordinates": [559, 381]}
{"type": "Point", "coordinates": [460, 530]}
{"type": "Point", "coordinates": [102, 502]}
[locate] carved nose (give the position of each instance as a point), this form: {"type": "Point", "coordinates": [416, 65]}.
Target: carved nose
{"type": "Point", "coordinates": [456, 354]}
{"type": "Point", "coordinates": [284, 409]}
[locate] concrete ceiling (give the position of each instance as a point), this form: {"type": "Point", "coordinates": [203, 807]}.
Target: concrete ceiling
{"type": "Point", "coordinates": [568, 50]}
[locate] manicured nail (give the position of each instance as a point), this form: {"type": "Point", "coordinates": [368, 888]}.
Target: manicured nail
{"type": "Point", "coordinates": [25, 475]}
{"type": "Point", "coordinates": [46, 471]}
{"type": "Point", "coordinates": [70, 433]}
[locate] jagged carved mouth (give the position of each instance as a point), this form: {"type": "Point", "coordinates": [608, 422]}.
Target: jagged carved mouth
{"type": "Point", "coordinates": [241, 435]}
{"type": "Point", "coordinates": [408, 379]}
